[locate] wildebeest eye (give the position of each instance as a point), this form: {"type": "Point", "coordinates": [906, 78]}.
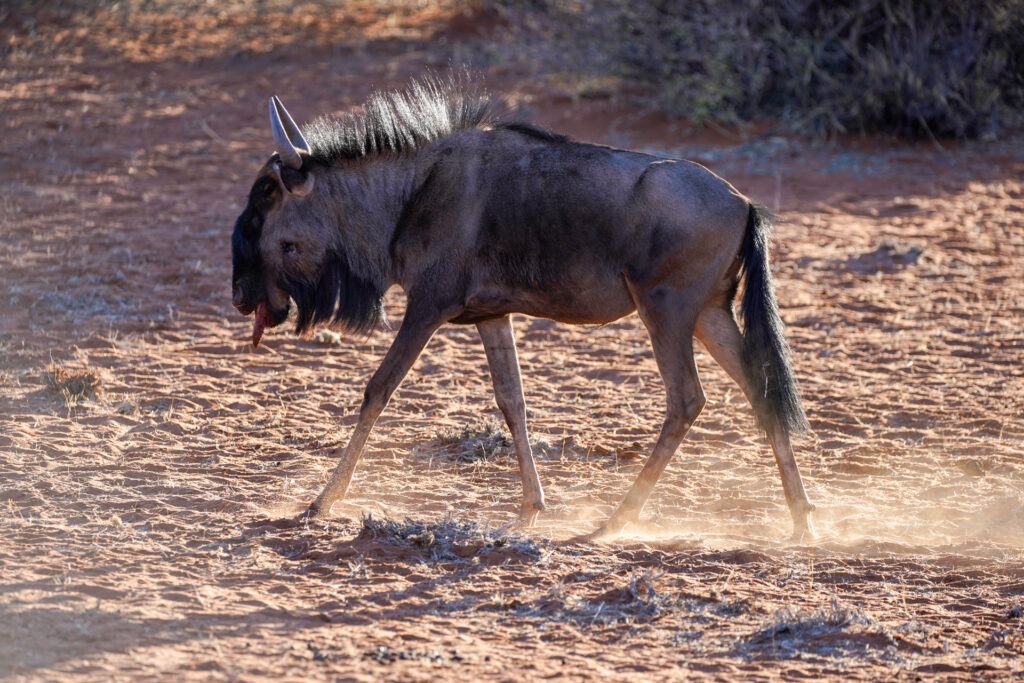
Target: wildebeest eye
{"type": "Point", "coordinates": [264, 193]}
{"type": "Point", "coordinates": [288, 247]}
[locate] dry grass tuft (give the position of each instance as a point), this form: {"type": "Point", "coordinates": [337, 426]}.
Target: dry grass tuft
{"type": "Point", "coordinates": [795, 622]}
{"type": "Point", "coordinates": [636, 601]}
{"type": "Point", "coordinates": [383, 654]}
{"type": "Point", "coordinates": [449, 539]}
{"type": "Point", "coordinates": [476, 442]}
{"type": "Point", "coordinates": [72, 386]}
{"type": "Point", "coordinates": [831, 627]}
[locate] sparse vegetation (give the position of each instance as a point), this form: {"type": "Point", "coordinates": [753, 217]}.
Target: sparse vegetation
{"type": "Point", "coordinates": [387, 655]}
{"type": "Point", "coordinates": [127, 406]}
{"type": "Point", "coordinates": [836, 625]}
{"type": "Point", "coordinates": [449, 539]}
{"type": "Point", "coordinates": [72, 386]}
{"type": "Point", "coordinates": [636, 600]}
{"type": "Point", "coordinates": [920, 68]}
{"type": "Point", "coordinates": [488, 438]}
{"type": "Point", "coordinates": [476, 442]}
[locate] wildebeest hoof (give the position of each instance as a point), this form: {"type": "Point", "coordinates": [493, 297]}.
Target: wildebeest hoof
{"type": "Point", "coordinates": [801, 537]}
{"type": "Point", "coordinates": [312, 511]}
{"type": "Point", "coordinates": [528, 514]}
{"type": "Point", "coordinates": [525, 521]}
{"type": "Point", "coordinates": [603, 532]}
{"type": "Point", "coordinates": [803, 532]}
{"type": "Point", "coordinates": [613, 527]}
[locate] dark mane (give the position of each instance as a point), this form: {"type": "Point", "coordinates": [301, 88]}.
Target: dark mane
{"type": "Point", "coordinates": [532, 130]}
{"type": "Point", "coordinates": [399, 121]}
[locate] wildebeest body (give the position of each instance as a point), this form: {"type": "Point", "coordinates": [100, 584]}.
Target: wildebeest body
{"type": "Point", "coordinates": [477, 219]}
{"type": "Point", "coordinates": [534, 237]}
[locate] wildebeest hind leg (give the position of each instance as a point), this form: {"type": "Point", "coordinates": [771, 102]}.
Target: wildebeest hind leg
{"type": "Point", "coordinates": [412, 336]}
{"type": "Point", "coordinates": [717, 330]}
{"type": "Point", "coordinates": [500, 345]}
{"type": "Point", "coordinates": [669, 318]}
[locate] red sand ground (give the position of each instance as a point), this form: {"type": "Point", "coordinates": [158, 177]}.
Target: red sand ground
{"type": "Point", "coordinates": [146, 528]}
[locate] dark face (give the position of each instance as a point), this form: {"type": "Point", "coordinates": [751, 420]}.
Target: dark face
{"type": "Point", "coordinates": [283, 249]}
{"type": "Point", "coordinates": [249, 277]}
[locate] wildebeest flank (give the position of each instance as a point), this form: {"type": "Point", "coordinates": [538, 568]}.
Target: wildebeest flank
{"type": "Point", "coordinates": [476, 219]}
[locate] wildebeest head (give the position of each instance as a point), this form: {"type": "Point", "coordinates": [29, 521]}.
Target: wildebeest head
{"type": "Point", "coordinates": [281, 249]}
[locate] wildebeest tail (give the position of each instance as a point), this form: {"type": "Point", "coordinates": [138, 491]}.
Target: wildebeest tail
{"type": "Point", "coordinates": [765, 351]}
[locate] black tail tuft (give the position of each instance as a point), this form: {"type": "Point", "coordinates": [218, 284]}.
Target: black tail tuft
{"type": "Point", "coordinates": [765, 351]}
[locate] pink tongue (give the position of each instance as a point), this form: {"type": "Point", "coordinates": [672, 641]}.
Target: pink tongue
{"type": "Point", "coordinates": [259, 323]}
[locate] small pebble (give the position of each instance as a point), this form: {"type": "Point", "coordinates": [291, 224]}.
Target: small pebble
{"type": "Point", "coordinates": [326, 337]}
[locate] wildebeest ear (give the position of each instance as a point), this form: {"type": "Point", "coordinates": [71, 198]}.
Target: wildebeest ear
{"type": "Point", "coordinates": [294, 182]}
{"type": "Point", "coordinates": [298, 183]}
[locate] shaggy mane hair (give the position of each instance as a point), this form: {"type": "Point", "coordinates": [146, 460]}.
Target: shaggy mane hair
{"type": "Point", "coordinates": [404, 120]}
{"type": "Point", "coordinates": [399, 121]}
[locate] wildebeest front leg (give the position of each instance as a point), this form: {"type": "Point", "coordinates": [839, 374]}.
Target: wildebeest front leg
{"type": "Point", "coordinates": [669, 319]}
{"type": "Point", "coordinates": [412, 336]}
{"type": "Point", "coordinates": [500, 345]}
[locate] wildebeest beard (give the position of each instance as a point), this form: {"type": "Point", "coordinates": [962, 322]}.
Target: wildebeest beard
{"type": "Point", "coordinates": [338, 297]}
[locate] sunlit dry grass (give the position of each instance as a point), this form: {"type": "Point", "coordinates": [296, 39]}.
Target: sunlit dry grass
{"type": "Point", "coordinates": [72, 386]}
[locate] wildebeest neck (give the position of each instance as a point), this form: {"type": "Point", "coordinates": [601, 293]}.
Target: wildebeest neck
{"type": "Point", "coordinates": [337, 297]}
{"type": "Point", "coordinates": [362, 202]}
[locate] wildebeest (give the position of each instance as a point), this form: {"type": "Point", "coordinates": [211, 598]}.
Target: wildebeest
{"type": "Point", "coordinates": [476, 218]}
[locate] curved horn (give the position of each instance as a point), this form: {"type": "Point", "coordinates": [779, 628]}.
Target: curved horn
{"type": "Point", "coordinates": [298, 142]}
{"type": "Point", "coordinates": [290, 143]}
